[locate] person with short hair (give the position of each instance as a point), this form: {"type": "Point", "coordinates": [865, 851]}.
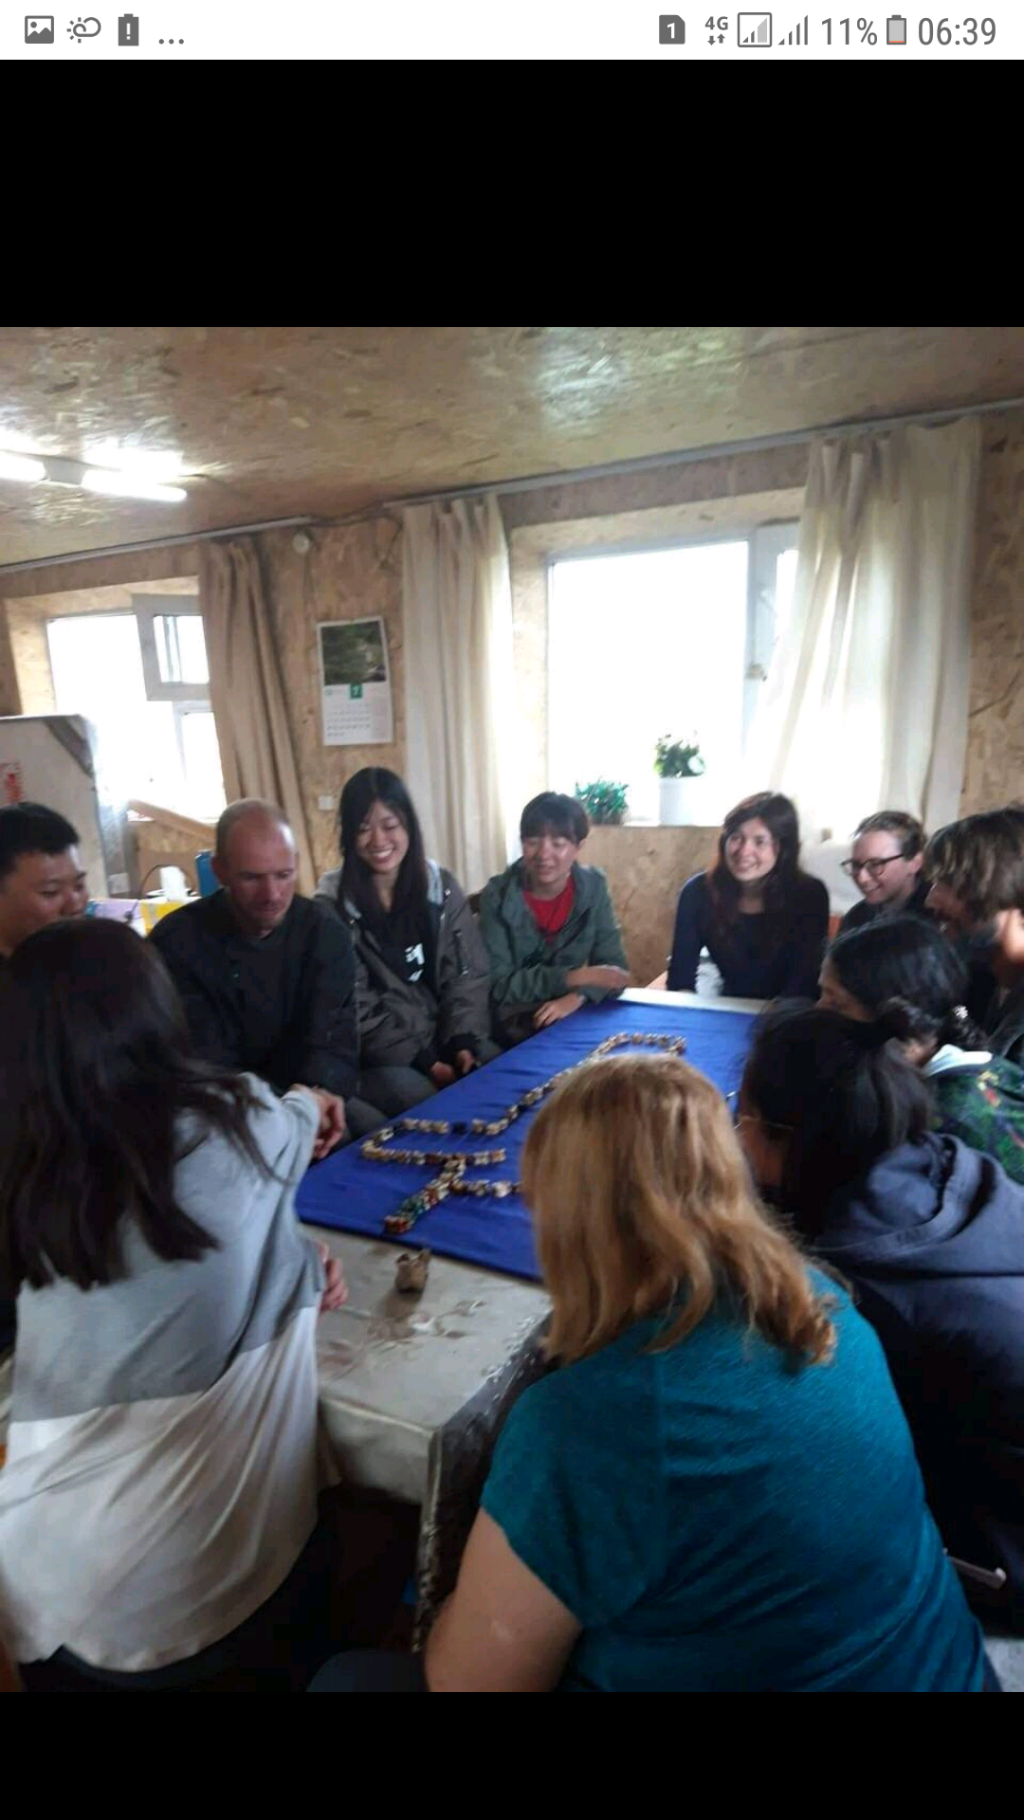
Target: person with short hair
{"type": "Point", "coordinates": [42, 878]}
{"type": "Point", "coordinates": [423, 981]}
{"type": "Point", "coordinates": [836, 1123]}
{"type": "Point", "coordinates": [762, 921]}
{"type": "Point", "coordinates": [903, 972]}
{"type": "Point", "coordinates": [159, 1496]}
{"type": "Point", "coordinates": [548, 925]}
{"type": "Point", "coordinates": [714, 1490]}
{"type": "Point", "coordinates": [976, 872]}
{"type": "Point", "coordinates": [267, 978]}
{"type": "Point", "coordinates": [885, 865]}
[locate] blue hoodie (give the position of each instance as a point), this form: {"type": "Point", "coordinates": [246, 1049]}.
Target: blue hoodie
{"type": "Point", "coordinates": [932, 1238]}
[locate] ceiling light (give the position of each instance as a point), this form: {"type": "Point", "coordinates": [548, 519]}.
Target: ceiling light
{"type": "Point", "coordinates": [129, 486]}
{"type": "Point", "coordinates": [19, 445]}
{"type": "Point", "coordinates": [20, 467]}
{"type": "Point", "coordinates": [149, 464]}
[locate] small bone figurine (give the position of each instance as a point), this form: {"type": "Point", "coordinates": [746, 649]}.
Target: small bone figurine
{"type": "Point", "coordinates": [411, 1272]}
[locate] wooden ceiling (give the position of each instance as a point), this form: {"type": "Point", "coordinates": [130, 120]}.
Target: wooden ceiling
{"type": "Point", "coordinates": [282, 422]}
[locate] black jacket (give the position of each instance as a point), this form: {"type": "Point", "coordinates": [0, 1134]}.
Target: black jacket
{"type": "Point", "coordinates": [283, 1007]}
{"type": "Point", "coordinates": [404, 1024]}
{"type": "Point", "coordinates": [867, 913]}
{"type": "Point", "coordinates": [933, 1241]}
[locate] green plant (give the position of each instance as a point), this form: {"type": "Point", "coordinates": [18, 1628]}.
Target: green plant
{"type": "Point", "coordinates": [678, 758]}
{"type": "Point", "coordinates": [605, 803]}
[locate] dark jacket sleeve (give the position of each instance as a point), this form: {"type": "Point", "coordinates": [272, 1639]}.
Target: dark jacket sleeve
{"type": "Point", "coordinates": [805, 944]}
{"type": "Point", "coordinates": [464, 976]}
{"type": "Point", "coordinates": [688, 939]}
{"type": "Point", "coordinates": [327, 1043]}
{"type": "Point", "coordinates": [512, 982]}
{"type": "Point", "coordinates": [178, 942]}
{"type": "Point", "coordinates": [606, 949]}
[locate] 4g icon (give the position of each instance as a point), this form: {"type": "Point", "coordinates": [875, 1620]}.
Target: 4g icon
{"type": "Point", "coordinates": [716, 30]}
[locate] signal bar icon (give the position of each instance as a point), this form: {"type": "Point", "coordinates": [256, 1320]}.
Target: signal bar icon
{"type": "Point", "coordinates": [801, 34]}
{"type": "Point", "coordinates": [754, 29]}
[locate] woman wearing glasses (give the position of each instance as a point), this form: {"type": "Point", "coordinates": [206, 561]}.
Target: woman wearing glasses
{"type": "Point", "coordinates": [888, 853]}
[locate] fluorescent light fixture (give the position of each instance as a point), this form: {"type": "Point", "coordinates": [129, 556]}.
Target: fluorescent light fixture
{"type": "Point", "coordinates": [18, 445]}
{"type": "Point", "coordinates": [129, 486]}
{"type": "Point", "coordinates": [149, 464]}
{"type": "Point", "coordinates": [20, 467]}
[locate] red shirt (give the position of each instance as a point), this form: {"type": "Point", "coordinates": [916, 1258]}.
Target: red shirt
{"type": "Point", "coordinates": [551, 913]}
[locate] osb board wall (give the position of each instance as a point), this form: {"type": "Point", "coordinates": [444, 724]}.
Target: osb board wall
{"type": "Point", "coordinates": [10, 695]}
{"type": "Point", "coordinates": [532, 546]}
{"type": "Point", "coordinates": [647, 868]}
{"type": "Point", "coordinates": [994, 772]}
{"type": "Point", "coordinates": [352, 572]}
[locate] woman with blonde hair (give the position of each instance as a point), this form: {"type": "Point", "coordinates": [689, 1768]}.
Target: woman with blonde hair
{"type": "Point", "coordinates": [715, 1490]}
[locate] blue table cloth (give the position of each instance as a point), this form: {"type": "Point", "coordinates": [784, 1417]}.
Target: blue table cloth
{"type": "Point", "coordinates": [354, 1195]}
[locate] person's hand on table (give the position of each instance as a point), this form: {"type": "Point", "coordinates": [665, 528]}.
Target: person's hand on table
{"type": "Point", "coordinates": [335, 1287]}
{"type": "Point", "coordinates": [333, 1123]}
{"type": "Point", "coordinates": [557, 1008]}
{"type": "Point", "coordinates": [600, 979]}
{"type": "Point", "coordinates": [442, 1075]}
{"type": "Point", "coordinates": [466, 1061]}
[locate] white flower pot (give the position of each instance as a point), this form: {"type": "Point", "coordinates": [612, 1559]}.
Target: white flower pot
{"type": "Point", "coordinates": [679, 801]}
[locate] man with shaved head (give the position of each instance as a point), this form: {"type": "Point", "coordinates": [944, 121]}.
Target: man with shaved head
{"type": "Point", "coordinates": [267, 978]}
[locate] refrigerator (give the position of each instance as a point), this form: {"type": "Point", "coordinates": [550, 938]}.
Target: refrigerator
{"type": "Point", "coordinates": [52, 759]}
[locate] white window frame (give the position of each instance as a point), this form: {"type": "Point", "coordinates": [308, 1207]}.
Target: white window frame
{"type": "Point", "coordinates": [166, 606]}
{"type": "Point", "coordinates": [767, 543]}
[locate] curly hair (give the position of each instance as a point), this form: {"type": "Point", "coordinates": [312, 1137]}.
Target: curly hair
{"type": "Point", "coordinates": [981, 861]}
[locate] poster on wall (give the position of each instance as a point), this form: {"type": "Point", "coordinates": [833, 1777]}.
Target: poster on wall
{"type": "Point", "coordinates": [12, 787]}
{"type": "Point", "coordinates": [355, 683]}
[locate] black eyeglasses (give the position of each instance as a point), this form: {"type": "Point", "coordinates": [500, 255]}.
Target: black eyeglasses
{"type": "Point", "coordinates": [873, 867]}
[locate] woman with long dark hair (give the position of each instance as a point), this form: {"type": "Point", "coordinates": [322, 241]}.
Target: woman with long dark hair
{"type": "Point", "coordinates": [714, 1490]}
{"type": "Point", "coordinates": [160, 1487]}
{"type": "Point", "coordinates": [762, 921]}
{"type": "Point", "coordinates": [423, 978]}
{"type": "Point", "coordinates": [903, 973]}
{"type": "Point", "coordinates": [836, 1124]}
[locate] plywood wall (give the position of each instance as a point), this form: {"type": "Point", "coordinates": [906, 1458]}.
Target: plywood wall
{"type": "Point", "coordinates": [352, 572]}
{"type": "Point", "coordinates": [994, 771]}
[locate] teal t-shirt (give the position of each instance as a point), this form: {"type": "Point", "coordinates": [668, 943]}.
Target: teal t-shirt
{"type": "Point", "coordinates": [719, 1521]}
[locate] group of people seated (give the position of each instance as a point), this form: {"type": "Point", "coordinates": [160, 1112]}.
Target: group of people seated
{"type": "Point", "coordinates": [781, 1444]}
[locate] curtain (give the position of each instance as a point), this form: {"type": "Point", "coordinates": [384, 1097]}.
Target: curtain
{"type": "Point", "coordinates": [865, 705]}
{"type": "Point", "coordinates": [459, 682]}
{"type": "Point", "coordinates": [246, 693]}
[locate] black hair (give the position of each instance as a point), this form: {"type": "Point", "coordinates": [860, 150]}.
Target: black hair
{"type": "Point", "coordinates": [907, 976]}
{"type": "Point", "coordinates": [780, 818]}
{"type": "Point", "coordinates": [30, 828]}
{"type": "Point", "coordinates": [551, 813]}
{"type": "Point", "coordinates": [376, 785]}
{"type": "Point", "coordinates": [843, 1093]}
{"type": "Point", "coordinates": [95, 1070]}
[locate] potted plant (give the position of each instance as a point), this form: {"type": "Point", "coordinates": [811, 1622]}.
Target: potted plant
{"type": "Point", "coordinates": [679, 765]}
{"type": "Point", "coordinates": [604, 803]}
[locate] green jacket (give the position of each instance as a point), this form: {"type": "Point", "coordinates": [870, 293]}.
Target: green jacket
{"type": "Point", "coordinates": [526, 968]}
{"type": "Point", "coordinates": [981, 1101]}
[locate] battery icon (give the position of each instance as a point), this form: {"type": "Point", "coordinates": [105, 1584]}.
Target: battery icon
{"type": "Point", "coordinates": [896, 30]}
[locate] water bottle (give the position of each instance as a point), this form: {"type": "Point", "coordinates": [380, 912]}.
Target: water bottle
{"type": "Point", "coordinates": [204, 873]}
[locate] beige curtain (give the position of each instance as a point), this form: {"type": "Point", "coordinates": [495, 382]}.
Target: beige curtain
{"type": "Point", "coordinates": [245, 687]}
{"type": "Point", "coordinates": [459, 683]}
{"type": "Point", "coordinates": [865, 705]}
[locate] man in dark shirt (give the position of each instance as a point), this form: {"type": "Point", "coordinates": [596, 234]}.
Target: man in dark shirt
{"type": "Point", "coordinates": [267, 978]}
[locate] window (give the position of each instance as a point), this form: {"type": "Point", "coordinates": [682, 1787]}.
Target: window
{"type": "Point", "coordinates": [663, 641]}
{"type": "Point", "coordinates": [143, 681]}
